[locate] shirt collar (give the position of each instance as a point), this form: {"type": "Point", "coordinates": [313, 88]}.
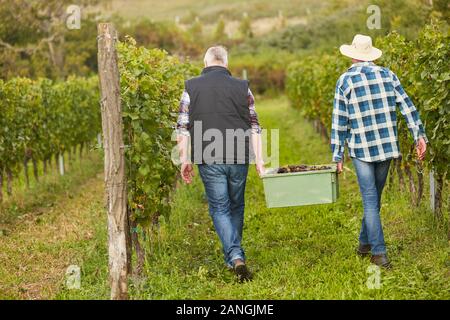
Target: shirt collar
{"type": "Point", "coordinates": [362, 64]}
{"type": "Point", "coordinates": [216, 69]}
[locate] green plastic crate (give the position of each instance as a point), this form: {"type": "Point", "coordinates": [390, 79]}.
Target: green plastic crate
{"type": "Point", "coordinates": [300, 188]}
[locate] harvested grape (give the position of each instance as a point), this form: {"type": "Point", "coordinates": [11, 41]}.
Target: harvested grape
{"type": "Point", "coordinates": [301, 168]}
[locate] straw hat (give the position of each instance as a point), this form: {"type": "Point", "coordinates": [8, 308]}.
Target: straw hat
{"type": "Point", "coordinates": [361, 49]}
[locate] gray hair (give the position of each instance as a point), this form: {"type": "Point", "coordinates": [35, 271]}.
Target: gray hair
{"type": "Point", "coordinates": [215, 55]}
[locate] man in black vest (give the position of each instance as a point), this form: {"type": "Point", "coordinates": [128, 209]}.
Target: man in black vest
{"type": "Point", "coordinates": [217, 114]}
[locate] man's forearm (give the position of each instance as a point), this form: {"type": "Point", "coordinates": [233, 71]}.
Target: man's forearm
{"type": "Point", "coordinates": [183, 148]}
{"type": "Point", "coordinates": [257, 147]}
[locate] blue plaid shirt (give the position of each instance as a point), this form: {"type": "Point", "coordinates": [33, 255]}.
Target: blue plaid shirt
{"type": "Point", "coordinates": [364, 114]}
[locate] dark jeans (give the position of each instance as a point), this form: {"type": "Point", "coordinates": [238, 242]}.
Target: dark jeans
{"type": "Point", "coordinates": [225, 189]}
{"type": "Point", "coordinates": [371, 178]}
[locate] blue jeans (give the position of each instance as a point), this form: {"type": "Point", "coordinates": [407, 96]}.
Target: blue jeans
{"type": "Point", "coordinates": [225, 189]}
{"type": "Point", "coordinates": [371, 178]}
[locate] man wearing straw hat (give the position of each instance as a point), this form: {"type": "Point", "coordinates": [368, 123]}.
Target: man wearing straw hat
{"type": "Point", "coordinates": [364, 118]}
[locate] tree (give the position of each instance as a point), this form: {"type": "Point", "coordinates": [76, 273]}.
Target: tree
{"type": "Point", "coordinates": [196, 29]}
{"type": "Point", "coordinates": [246, 26]}
{"type": "Point", "coordinates": [35, 41]}
{"type": "Point", "coordinates": [220, 35]}
{"type": "Point", "coordinates": [442, 7]}
{"type": "Point", "coordinates": [282, 22]}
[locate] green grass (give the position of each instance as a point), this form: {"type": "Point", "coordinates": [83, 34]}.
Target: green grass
{"type": "Point", "coordinates": [54, 224]}
{"type": "Point", "coordinates": [295, 253]}
{"type": "Point", "coordinates": [42, 194]}
{"type": "Point", "coordinates": [93, 260]}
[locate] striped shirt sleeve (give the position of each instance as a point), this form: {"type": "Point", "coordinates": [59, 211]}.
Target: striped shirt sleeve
{"type": "Point", "coordinates": [408, 110]}
{"type": "Point", "coordinates": [183, 115]}
{"type": "Point", "coordinates": [254, 121]}
{"type": "Point", "coordinates": [339, 125]}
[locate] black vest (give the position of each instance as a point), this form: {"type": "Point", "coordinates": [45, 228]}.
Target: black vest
{"type": "Point", "coordinates": [219, 117]}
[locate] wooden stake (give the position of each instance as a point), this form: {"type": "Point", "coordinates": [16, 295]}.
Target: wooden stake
{"type": "Point", "coordinates": [25, 172]}
{"type": "Point", "coordinates": [115, 181]}
{"type": "Point", "coordinates": [81, 151]}
{"type": "Point", "coordinates": [35, 169]}
{"type": "Point", "coordinates": [244, 74]}
{"type": "Point", "coordinates": [1, 185]}
{"type": "Point", "coordinates": [9, 179]}
{"type": "Point", "coordinates": [61, 164]}
{"type": "Point", "coordinates": [432, 192]}
{"type": "Point", "coordinates": [45, 166]}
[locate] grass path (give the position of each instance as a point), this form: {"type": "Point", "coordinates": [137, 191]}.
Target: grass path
{"type": "Point", "coordinates": [41, 244]}
{"type": "Point", "coordinates": [296, 253]}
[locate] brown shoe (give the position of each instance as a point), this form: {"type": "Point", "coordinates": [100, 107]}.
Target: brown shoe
{"type": "Point", "coordinates": [242, 273]}
{"type": "Point", "coordinates": [381, 260]}
{"type": "Point", "coordinates": [363, 250]}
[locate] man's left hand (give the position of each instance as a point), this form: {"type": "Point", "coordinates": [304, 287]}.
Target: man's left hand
{"type": "Point", "coordinates": [340, 167]}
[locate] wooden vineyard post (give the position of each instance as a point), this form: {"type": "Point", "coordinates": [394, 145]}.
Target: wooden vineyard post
{"type": "Point", "coordinates": [115, 181]}
{"type": "Point", "coordinates": [1, 185]}
{"type": "Point", "coordinates": [244, 74]}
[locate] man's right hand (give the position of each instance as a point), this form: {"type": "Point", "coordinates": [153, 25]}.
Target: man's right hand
{"type": "Point", "coordinates": [421, 149]}
{"type": "Point", "coordinates": [187, 172]}
{"type": "Point", "coordinates": [340, 166]}
{"type": "Point", "coordinates": [260, 168]}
